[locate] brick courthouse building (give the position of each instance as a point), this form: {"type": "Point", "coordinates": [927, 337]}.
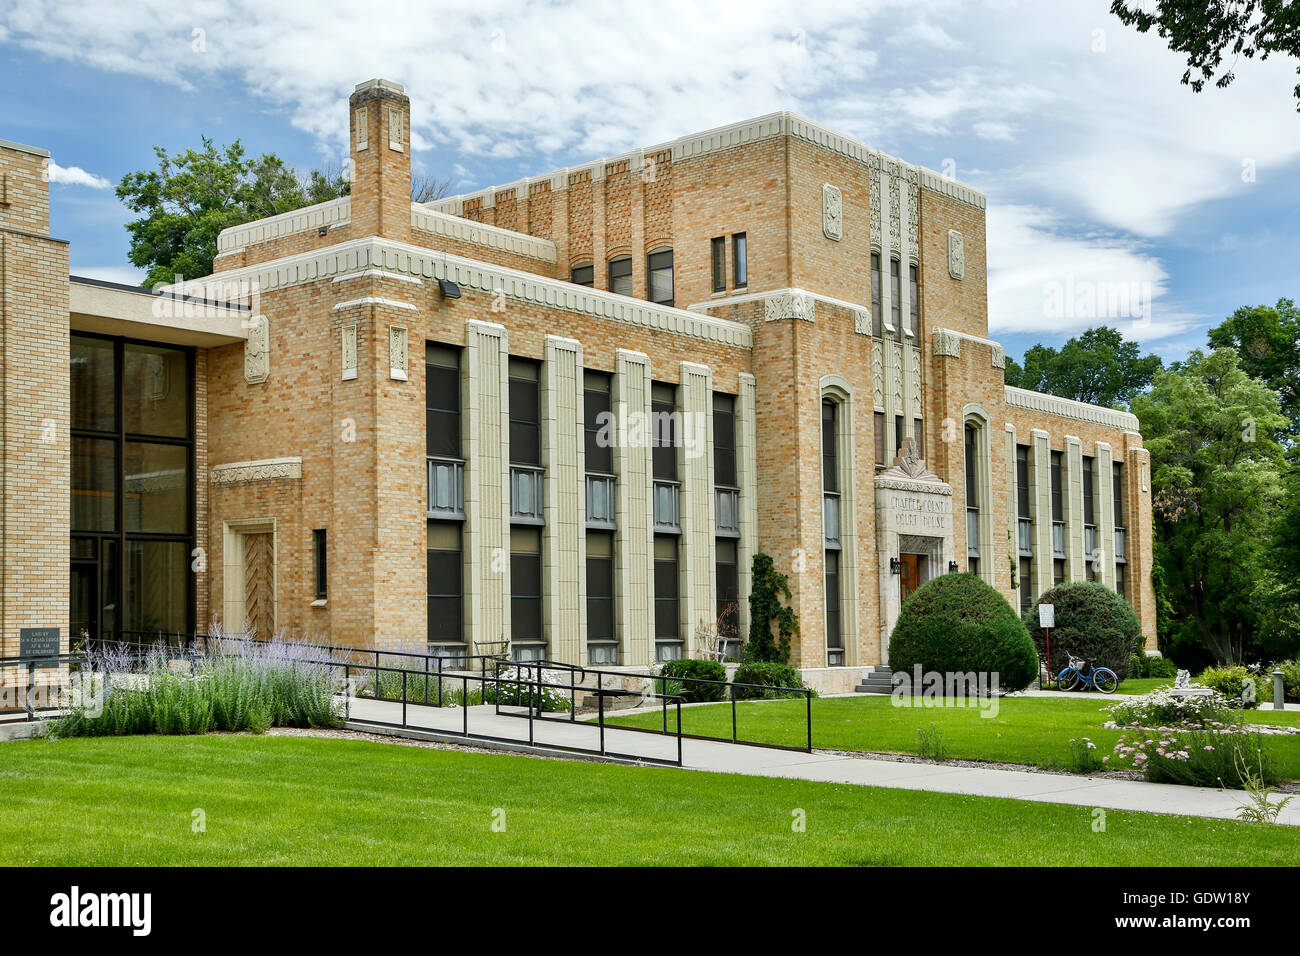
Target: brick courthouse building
{"type": "Point", "coordinates": [386, 423]}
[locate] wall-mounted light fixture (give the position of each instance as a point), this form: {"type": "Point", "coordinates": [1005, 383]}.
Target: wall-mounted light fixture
{"type": "Point", "coordinates": [952, 567]}
{"type": "Point", "coordinates": [895, 566]}
{"type": "Point", "coordinates": [323, 230]}
{"type": "Point", "coordinates": [448, 289]}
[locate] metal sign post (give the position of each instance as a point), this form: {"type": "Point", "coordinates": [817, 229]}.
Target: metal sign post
{"type": "Point", "coordinates": [1047, 621]}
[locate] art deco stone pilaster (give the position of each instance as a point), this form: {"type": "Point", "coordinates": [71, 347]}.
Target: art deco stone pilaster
{"type": "Point", "coordinates": [1104, 499]}
{"type": "Point", "coordinates": [699, 549]}
{"type": "Point", "coordinates": [1073, 492]}
{"type": "Point", "coordinates": [487, 486]}
{"type": "Point", "coordinates": [564, 537]}
{"type": "Point", "coordinates": [747, 473]}
{"type": "Point", "coordinates": [1040, 476]}
{"type": "Point", "coordinates": [634, 516]}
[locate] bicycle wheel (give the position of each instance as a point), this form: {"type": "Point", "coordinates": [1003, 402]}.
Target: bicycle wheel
{"type": "Point", "coordinates": [1068, 679]}
{"type": "Point", "coordinates": [1104, 679]}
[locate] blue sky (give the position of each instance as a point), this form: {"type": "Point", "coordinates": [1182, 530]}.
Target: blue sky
{"type": "Point", "coordinates": [1102, 172]}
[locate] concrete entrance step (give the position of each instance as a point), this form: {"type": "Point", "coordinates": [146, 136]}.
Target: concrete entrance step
{"type": "Point", "coordinates": [879, 680]}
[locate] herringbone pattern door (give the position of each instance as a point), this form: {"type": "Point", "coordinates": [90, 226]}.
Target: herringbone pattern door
{"type": "Point", "coordinates": [259, 583]}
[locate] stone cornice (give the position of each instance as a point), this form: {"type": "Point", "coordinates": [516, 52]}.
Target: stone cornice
{"type": "Point", "coordinates": [1068, 408]}
{"type": "Point", "coordinates": [948, 342]}
{"type": "Point", "coordinates": [784, 123]}
{"type": "Point", "coordinates": [505, 240]}
{"type": "Point", "coordinates": [335, 212]}
{"type": "Point", "coordinates": [263, 470]}
{"type": "Point", "coordinates": [373, 252]}
{"type": "Point", "coordinates": [890, 483]}
{"type": "Point", "coordinates": [783, 304]}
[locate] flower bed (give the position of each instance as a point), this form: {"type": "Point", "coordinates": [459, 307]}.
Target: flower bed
{"type": "Point", "coordinates": [1213, 757]}
{"type": "Point", "coordinates": [1162, 707]}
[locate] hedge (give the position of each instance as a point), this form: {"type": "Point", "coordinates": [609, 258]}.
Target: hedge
{"type": "Point", "coordinates": [687, 668]}
{"type": "Point", "coordinates": [769, 674]}
{"type": "Point", "coordinates": [1092, 622]}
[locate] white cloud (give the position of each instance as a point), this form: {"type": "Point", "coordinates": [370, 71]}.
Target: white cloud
{"type": "Point", "coordinates": [76, 176]}
{"type": "Point", "coordinates": [122, 274]}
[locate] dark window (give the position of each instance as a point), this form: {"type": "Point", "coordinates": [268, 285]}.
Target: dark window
{"type": "Point", "coordinates": [525, 585]}
{"type": "Point", "coordinates": [132, 489]}
{"type": "Point", "coordinates": [727, 572]}
{"type": "Point", "coordinates": [972, 487]}
{"type": "Point", "coordinates": [879, 425]}
{"type": "Point", "coordinates": [896, 293]}
{"type": "Point", "coordinates": [620, 275]}
{"type": "Point", "coordinates": [914, 300]}
{"type": "Point", "coordinates": [659, 269]}
{"type": "Point", "coordinates": [596, 423]}
{"type": "Point", "coordinates": [875, 294]}
{"type": "Point", "coordinates": [663, 418]}
{"type": "Point", "coordinates": [724, 440]}
{"type": "Point", "coordinates": [740, 259]}
{"type": "Point", "coordinates": [667, 618]}
{"type": "Point", "coordinates": [719, 256]}
{"type": "Point", "coordinates": [1058, 571]}
{"type": "Point", "coordinates": [918, 427]}
{"type": "Point", "coordinates": [1058, 504]}
{"type": "Point", "coordinates": [1026, 584]}
{"type": "Point", "coordinates": [442, 400]}
{"type": "Point", "coordinates": [900, 432]}
{"type": "Point", "coordinates": [1117, 488]}
{"type": "Point", "coordinates": [834, 635]}
{"type": "Point", "coordinates": [600, 586]}
{"type": "Point", "coordinates": [973, 565]}
{"type": "Point", "coordinates": [319, 562]}
{"type": "Point", "coordinates": [445, 587]}
{"type": "Point", "coordinates": [584, 274]}
{"type": "Point", "coordinates": [1119, 581]}
{"type": "Point", "coordinates": [830, 448]}
{"type": "Point", "coordinates": [1089, 488]}
{"type": "Point", "coordinates": [525, 414]}
{"type": "Point", "coordinates": [1022, 481]}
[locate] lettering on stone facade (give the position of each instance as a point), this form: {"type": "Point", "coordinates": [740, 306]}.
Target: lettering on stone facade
{"type": "Point", "coordinates": [956, 255]}
{"type": "Point", "coordinates": [832, 212]}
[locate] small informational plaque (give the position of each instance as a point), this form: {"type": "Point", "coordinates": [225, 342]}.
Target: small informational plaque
{"type": "Point", "coordinates": [38, 642]}
{"type": "Point", "coordinates": [1046, 615]}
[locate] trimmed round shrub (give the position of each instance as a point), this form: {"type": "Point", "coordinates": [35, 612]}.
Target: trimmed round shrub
{"type": "Point", "coordinates": [768, 674]}
{"type": "Point", "coordinates": [1092, 622]}
{"type": "Point", "coordinates": [956, 624]}
{"type": "Point", "coordinates": [687, 668]}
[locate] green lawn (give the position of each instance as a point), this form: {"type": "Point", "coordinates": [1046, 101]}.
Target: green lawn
{"type": "Point", "coordinates": [304, 801]}
{"type": "Point", "coordinates": [1143, 685]}
{"type": "Point", "coordinates": [1032, 730]}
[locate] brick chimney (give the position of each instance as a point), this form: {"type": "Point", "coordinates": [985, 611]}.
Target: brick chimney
{"type": "Point", "coordinates": [381, 160]}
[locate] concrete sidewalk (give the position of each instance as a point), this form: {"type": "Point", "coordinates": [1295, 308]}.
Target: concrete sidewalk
{"type": "Point", "coordinates": [832, 768]}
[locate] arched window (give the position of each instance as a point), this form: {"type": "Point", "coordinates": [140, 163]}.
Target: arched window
{"type": "Point", "coordinates": [583, 274]}
{"type": "Point", "coordinates": [979, 495]}
{"type": "Point", "coordinates": [620, 275]}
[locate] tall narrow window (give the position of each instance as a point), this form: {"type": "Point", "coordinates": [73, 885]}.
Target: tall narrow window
{"type": "Point", "coordinates": [740, 260]}
{"type": "Point", "coordinates": [878, 423]}
{"type": "Point", "coordinates": [830, 448]}
{"type": "Point", "coordinates": [896, 294]}
{"type": "Point", "coordinates": [914, 300]}
{"type": "Point", "coordinates": [719, 259]}
{"type": "Point", "coordinates": [727, 586]}
{"type": "Point", "coordinates": [1121, 530]}
{"type": "Point", "coordinates": [724, 440]}
{"type": "Point", "coordinates": [1025, 528]}
{"type": "Point", "coordinates": [584, 274]}
{"type": "Point", "coordinates": [972, 502]}
{"type": "Point", "coordinates": [659, 269]}
{"type": "Point", "coordinates": [668, 636]}
{"type": "Point", "coordinates": [620, 275]}
{"type": "Point", "coordinates": [319, 566]}
{"type": "Point", "coordinates": [900, 432]}
{"type": "Point", "coordinates": [875, 294]}
{"type": "Point", "coordinates": [1090, 543]}
{"type": "Point", "coordinates": [1058, 519]}
{"type": "Point", "coordinates": [442, 400]}
{"type": "Point", "coordinates": [663, 418]}
{"type": "Point", "coordinates": [599, 448]}
{"type": "Point", "coordinates": [445, 589]}
{"type": "Point", "coordinates": [525, 413]}
{"type": "Point", "coordinates": [602, 647]}
{"type": "Point", "coordinates": [834, 629]}
{"type": "Point", "coordinates": [526, 593]}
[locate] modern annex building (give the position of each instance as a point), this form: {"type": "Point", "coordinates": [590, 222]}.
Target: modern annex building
{"type": "Point", "coordinates": [564, 413]}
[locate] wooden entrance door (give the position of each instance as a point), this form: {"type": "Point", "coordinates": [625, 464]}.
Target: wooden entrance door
{"type": "Point", "coordinates": [910, 579]}
{"type": "Point", "coordinates": [259, 583]}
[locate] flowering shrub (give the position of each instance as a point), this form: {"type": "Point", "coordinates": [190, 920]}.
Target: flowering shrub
{"type": "Point", "coordinates": [1082, 756]}
{"type": "Point", "coordinates": [1198, 758]}
{"type": "Point", "coordinates": [1162, 707]}
{"type": "Point", "coordinates": [1237, 684]}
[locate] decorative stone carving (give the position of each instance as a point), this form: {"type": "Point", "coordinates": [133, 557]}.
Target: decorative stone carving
{"type": "Point", "coordinates": [914, 382]}
{"type": "Point", "coordinates": [789, 305]}
{"type": "Point", "coordinates": [396, 130]}
{"type": "Point", "coordinates": [895, 209]}
{"type": "Point", "coordinates": [873, 177]}
{"type": "Point", "coordinates": [862, 321]}
{"type": "Point", "coordinates": [362, 123]}
{"type": "Point", "coordinates": [348, 345]}
{"type": "Point", "coordinates": [913, 209]}
{"type": "Point", "coordinates": [878, 373]}
{"type": "Point", "coordinates": [999, 358]}
{"type": "Point", "coordinates": [832, 212]}
{"type": "Point", "coordinates": [956, 255]}
{"type": "Point", "coordinates": [264, 470]}
{"type": "Point", "coordinates": [257, 351]}
{"type": "Point", "coordinates": [397, 352]}
{"type": "Point", "coordinates": [947, 342]}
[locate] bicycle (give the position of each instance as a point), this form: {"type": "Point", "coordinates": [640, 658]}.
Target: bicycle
{"type": "Point", "coordinates": [1081, 675]}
